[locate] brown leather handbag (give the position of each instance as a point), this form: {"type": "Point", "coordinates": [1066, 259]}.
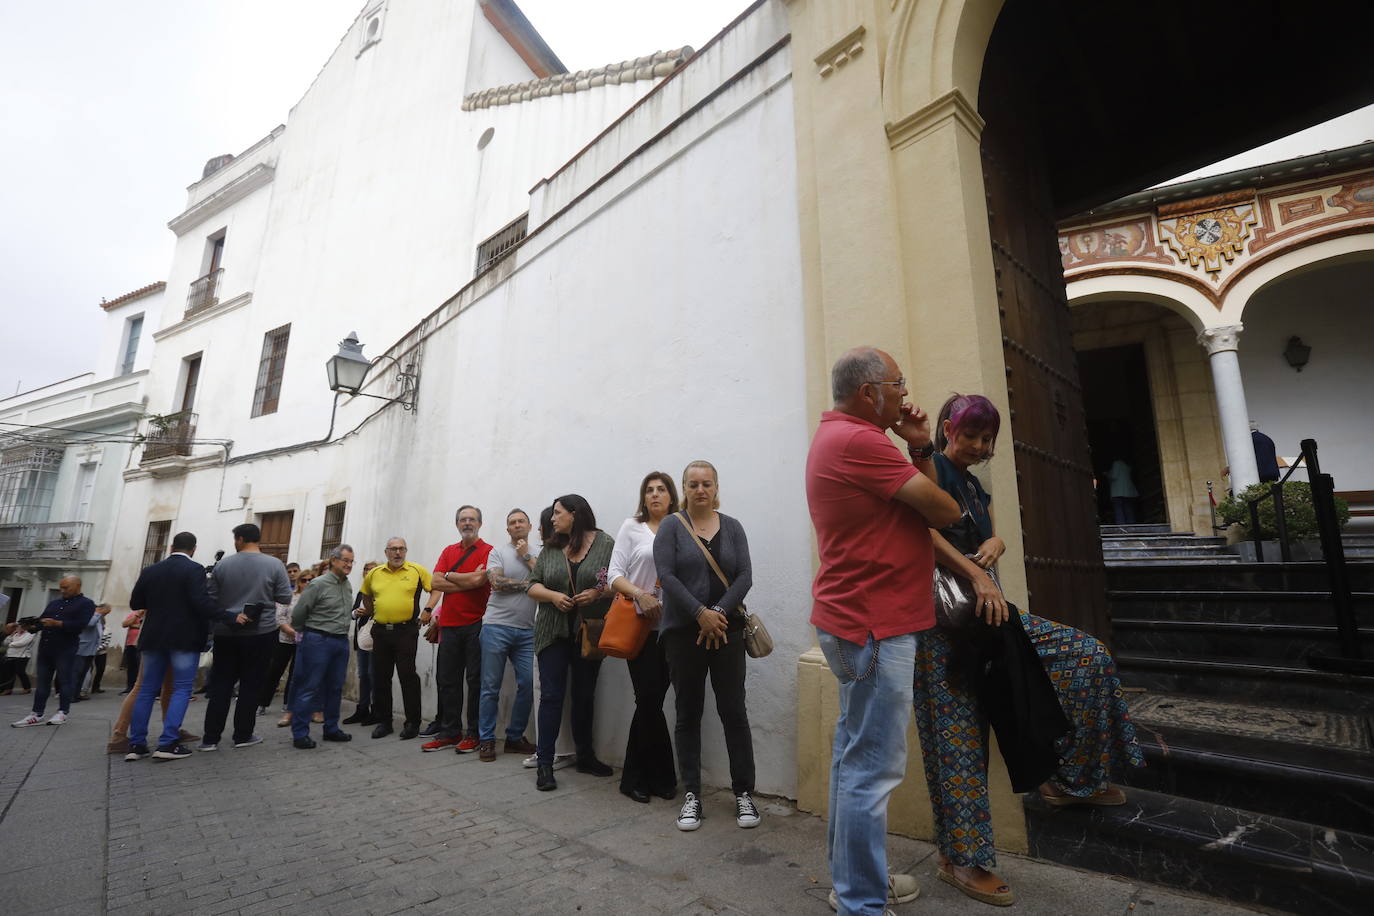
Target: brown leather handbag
{"type": "Point", "coordinates": [625, 631]}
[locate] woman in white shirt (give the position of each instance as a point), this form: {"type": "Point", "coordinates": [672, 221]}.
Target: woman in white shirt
{"type": "Point", "coordinates": [649, 768]}
{"type": "Point", "coordinates": [18, 650]}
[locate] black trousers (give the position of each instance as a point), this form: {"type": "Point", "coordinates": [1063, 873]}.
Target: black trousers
{"type": "Point", "coordinates": [240, 660]}
{"type": "Point", "coordinates": [130, 667]}
{"type": "Point", "coordinates": [16, 673]}
{"type": "Point", "coordinates": [560, 662]}
{"type": "Point", "coordinates": [283, 662]}
{"type": "Point", "coordinates": [689, 665]}
{"type": "Point", "coordinates": [394, 651]}
{"type": "Point", "coordinates": [460, 662]}
{"type": "Point", "coordinates": [649, 750]}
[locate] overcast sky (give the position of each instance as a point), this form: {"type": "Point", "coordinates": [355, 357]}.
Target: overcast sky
{"type": "Point", "coordinates": [111, 110]}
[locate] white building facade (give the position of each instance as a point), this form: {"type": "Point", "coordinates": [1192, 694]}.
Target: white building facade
{"type": "Point", "coordinates": [64, 448]}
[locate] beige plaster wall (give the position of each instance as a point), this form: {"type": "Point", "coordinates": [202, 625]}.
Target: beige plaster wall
{"type": "Point", "coordinates": [1186, 422]}
{"type": "Point", "coordinates": [895, 252]}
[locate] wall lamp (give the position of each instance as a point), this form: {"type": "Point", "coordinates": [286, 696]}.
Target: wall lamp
{"type": "Point", "coordinates": [348, 368]}
{"type": "Point", "coordinates": [1297, 353]}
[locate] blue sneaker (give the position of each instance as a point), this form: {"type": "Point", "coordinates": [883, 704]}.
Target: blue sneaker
{"type": "Point", "coordinates": [175, 752]}
{"type": "Point", "coordinates": [137, 752]}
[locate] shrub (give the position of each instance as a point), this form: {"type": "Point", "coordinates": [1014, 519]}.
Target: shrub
{"type": "Point", "coordinates": [1298, 511]}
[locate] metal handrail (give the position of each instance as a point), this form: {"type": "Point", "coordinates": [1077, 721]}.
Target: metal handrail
{"type": "Point", "coordinates": [1280, 521]}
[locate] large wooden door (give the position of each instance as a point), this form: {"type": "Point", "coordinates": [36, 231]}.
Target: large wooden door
{"type": "Point", "coordinates": [1064, 570]}
{"type": "Point", "coordinates": [276, 533]}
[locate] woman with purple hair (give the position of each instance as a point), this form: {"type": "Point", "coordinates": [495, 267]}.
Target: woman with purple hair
{"type": "Point", "coordinates": [952, 729]}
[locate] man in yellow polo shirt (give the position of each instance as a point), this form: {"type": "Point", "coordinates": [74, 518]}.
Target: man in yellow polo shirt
{"type": "Point", "coordinates": [392, 596]}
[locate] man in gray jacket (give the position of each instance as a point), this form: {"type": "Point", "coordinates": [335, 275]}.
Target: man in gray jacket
{"type": "Point", "coordinates": [250, 582]}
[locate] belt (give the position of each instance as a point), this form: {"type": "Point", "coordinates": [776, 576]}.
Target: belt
{"type": "Point", "coordinates": [394, 626]}
{"type": "Point", "coordinates": [323, 633]}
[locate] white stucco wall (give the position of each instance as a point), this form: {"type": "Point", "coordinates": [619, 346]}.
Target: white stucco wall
{"type": "Point", "coordinates": [1328, 400]}
{"type": "Point", "coordinates": [658, 324]}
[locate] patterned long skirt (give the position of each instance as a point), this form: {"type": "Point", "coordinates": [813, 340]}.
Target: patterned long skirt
{"type": "Point", "coordinates": [954, 742]}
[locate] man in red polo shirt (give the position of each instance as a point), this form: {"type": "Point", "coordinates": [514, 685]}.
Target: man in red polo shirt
{"type": "Point", "coordinates": [461, 574]}
{"type": "Point", "coordinates": [872, 510]}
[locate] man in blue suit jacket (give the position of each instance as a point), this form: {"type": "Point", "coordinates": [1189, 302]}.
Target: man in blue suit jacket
{"type": "Point", "coordinates": [175, 629]}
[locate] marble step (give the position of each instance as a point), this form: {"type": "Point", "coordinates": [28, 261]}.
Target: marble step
{"type": "Point", "coordinates": [1272, 642]}
{"type": "Point", "coordinates": [1151, 541]}
{"type": "Point", "coordinates": [1212, 849]}
{"type": "Point", "coordinates": [1239, 577]}
{"type": "Point", "coordinates": [1117, 530]}
{"type": "Point", "coordinates": [1304, 608]}
{"type": "Point", "coordinates": [1200, 551]}
{"type": "Point", "coordinates": [1290, 685]}
{"type": "Point", "coordinates": [1188, 559]}
{"type": "Point", "coordinates": [1317, 783]}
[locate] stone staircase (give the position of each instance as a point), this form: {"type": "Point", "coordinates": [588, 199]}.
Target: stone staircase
{"type": "Point", "coordinates": [1156, 545]}
{"type": "Point", "coordinates": [1260, 784]}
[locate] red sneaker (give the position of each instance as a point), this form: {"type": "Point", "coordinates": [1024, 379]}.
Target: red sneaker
{"type": "Point", "coordinates": [440, 744]}
{"type": "Point", "coordinates": [467, 745]}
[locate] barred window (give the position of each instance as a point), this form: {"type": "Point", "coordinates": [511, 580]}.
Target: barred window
{"type": "Point", "coordinates": [155, 545]}
{"type": "Point", "coordinates": [28, 477]}
{"type": "Point", "coordinates": [490, 252]}
{"type": "Point", "coordinates": [270, 368]}
{"type": "Point", "coordinates": [333, 528]}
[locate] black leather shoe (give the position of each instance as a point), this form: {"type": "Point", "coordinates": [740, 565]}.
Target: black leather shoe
{"type": "Point", "coordinates": [665, 794]}
{"type": "Point", "coordinates": [359, 714]}
{"type": "Point", "coordinates": [410, 730]}
{"type": "Point", "coordinates": [593, 767]}
{"type": "Point", "coordinates": [337, 736]}
{"type": "Point", "coordinates": [304, 744]}
{"type": "Point", "coordinates": [382, 730]}
{"type": "Point", "coordinates": [369, 719]}
{"type": "Point", "coordinates": [638, 795]}
{"type": "Point", "coordinates": [543, 778]}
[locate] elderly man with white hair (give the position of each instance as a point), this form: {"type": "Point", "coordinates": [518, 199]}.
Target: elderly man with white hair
{"type": "Point", "coordinates": [321, 616]}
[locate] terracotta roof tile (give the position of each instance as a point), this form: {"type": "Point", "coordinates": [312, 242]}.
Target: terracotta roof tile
{"type": "Point", "coordinates": [139, 293]}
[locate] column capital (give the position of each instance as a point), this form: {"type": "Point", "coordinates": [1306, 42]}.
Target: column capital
{"type": "Point", "coordinates": [1219, 340]}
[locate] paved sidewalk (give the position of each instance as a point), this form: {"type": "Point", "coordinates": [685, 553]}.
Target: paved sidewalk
{"type": "Point", "coordinates": [379, 827]}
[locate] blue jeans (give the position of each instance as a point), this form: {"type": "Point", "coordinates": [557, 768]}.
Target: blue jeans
{"type": "Point", "coordinates": [55, 657]}
{"type": "Point", "coordinates": [321, 665]}
{"type": "Point", "coordinates": [867, 762]}
{"type": "Point", "coordinates": [155, 662]}
{"type": "Point", "coordinates": [498, 644]}
{"type": "Point", "coordinates": [559, 662]}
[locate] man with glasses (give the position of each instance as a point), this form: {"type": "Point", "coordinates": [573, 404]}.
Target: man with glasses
{"type": "Point", "coordinates": [461, 574]}
{"type": "Point", "coordinates": [872, 510]}
{"type": "Point", "coordinates": [391, 597]}
{"type": "Point", "coordinates": [322, 616]}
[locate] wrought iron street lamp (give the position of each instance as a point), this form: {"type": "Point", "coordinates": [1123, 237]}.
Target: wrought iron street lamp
{"type": "Point", "coordinates": [348, 369]}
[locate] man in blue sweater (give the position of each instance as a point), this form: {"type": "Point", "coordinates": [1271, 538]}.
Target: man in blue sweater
{"type": "Point", "coordinates": [63, 620]}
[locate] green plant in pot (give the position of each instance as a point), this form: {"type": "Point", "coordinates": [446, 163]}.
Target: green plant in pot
{"type": "Point", "coordinates": [1298, 512]}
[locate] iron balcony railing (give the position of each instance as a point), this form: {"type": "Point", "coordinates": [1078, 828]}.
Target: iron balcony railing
{"type": "Point", "coordinates": [45, 541]}
{"type": "Point", "coordinates": [203, 293]}
{"type": "Point", "coordinates": [171, 435]}
{"type": "Point", "coordinates": [494, 249]}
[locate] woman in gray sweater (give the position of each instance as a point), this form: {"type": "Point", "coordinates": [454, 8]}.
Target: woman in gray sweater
{"type": "Point", "coordinates": [702, 635]}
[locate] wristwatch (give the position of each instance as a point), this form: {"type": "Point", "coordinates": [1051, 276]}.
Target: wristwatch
{"type": "Point", "coordinates": [921, 454]}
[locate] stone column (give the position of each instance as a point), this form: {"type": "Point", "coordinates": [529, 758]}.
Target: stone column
{"type": "Point", "coordinates": [1222, 345]}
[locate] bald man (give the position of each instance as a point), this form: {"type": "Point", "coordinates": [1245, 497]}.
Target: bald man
{"type": "Point", "coordinates": [62, 622]}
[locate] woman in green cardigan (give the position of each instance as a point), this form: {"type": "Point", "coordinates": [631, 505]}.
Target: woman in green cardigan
{"type": "Point", "coordinates": [569, 581]}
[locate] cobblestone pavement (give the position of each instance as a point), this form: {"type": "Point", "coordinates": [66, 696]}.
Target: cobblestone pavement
{"type": "Point", "coordinates": [379, 827]}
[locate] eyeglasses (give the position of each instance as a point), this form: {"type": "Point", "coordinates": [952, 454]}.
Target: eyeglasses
{"type": "Point", "coordinates": [401, 549]}
{"type": "Point", "coordinates": [900, 383]}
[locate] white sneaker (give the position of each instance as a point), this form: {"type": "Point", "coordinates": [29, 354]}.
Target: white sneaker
{"type": "Point", "coordinates": [689, 818]}
{"type": "Point", "coordinates": [746, 813]}
{"type": "Point", "coordinates": [900, 889]}
{"type": "Point", "coordinates": [559, 761]}
{"type": "Point", "coordinates": [28, 720]}
{"type": "Point", "coordinates": [58, 718]}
